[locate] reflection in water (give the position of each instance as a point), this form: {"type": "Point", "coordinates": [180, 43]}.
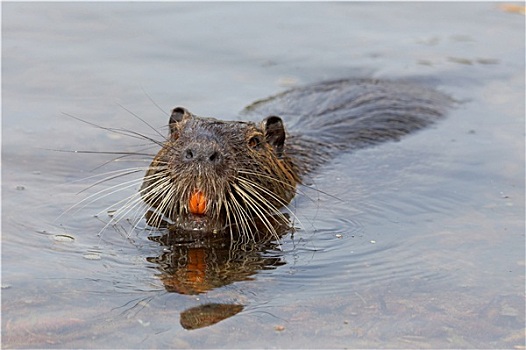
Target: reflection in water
{"type": "Point", "coordinates": [192, 264]}
{"type": "Point", "coordinates": [197, 266]}
{"type": "Point", "coordinates": [208, 314]}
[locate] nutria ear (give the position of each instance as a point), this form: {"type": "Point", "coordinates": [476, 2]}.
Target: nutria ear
{"type": "Point", "coordinates": [178, 114]}
{"type": "Point", "coordinates": [274, 133]}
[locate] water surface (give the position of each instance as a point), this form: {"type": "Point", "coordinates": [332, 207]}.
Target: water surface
{"type": "Point", "coordinates": [413, 244]}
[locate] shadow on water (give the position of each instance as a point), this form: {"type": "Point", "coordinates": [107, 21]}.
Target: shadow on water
{"type": "Point", "coordinates": [191, 264]}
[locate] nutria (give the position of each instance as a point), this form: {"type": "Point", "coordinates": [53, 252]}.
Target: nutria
{"type": "Point", "coordinates": [218, 176]}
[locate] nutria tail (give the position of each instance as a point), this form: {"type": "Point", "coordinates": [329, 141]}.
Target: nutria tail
{"type": "Point", "coordinates": [325, 118]}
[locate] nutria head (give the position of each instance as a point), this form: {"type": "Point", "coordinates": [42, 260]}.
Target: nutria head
{"type": "Point", "coordinates": [212, 175]}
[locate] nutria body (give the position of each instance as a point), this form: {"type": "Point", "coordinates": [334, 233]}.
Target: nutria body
{"type": "Point", "coordinates": [236, 170]}
{"type": "Point", "coordinates": [213, 176]}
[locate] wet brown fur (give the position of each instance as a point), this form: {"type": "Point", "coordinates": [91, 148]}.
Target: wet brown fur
{"type": "Point", "coordinates": [249, 171]}
{"type": "Point", "coordinates": [250, 177]}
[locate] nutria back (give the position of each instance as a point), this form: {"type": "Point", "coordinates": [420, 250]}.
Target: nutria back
{"type": "Point", "coordinates": [326, 118]}
{"type": "Point", "coordinates": [235, 176]}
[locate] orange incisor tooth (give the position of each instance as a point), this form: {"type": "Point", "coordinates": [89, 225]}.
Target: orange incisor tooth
{"type": "Point", "coordinates": [197, 203]}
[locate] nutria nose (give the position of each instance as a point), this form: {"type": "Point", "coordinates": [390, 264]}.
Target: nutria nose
{"type": "Point", "coordinates": [202, 153]}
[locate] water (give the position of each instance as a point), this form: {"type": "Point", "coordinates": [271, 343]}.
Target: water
{"type": "Point", "coordinates": [418, 243]}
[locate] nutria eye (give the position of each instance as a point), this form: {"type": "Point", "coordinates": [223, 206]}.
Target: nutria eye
{"type": "Point", "coordinates": [254, 142]}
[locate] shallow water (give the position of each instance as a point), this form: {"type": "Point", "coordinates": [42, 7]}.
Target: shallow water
{"type": "Point", "coordinates": [413, 244]}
